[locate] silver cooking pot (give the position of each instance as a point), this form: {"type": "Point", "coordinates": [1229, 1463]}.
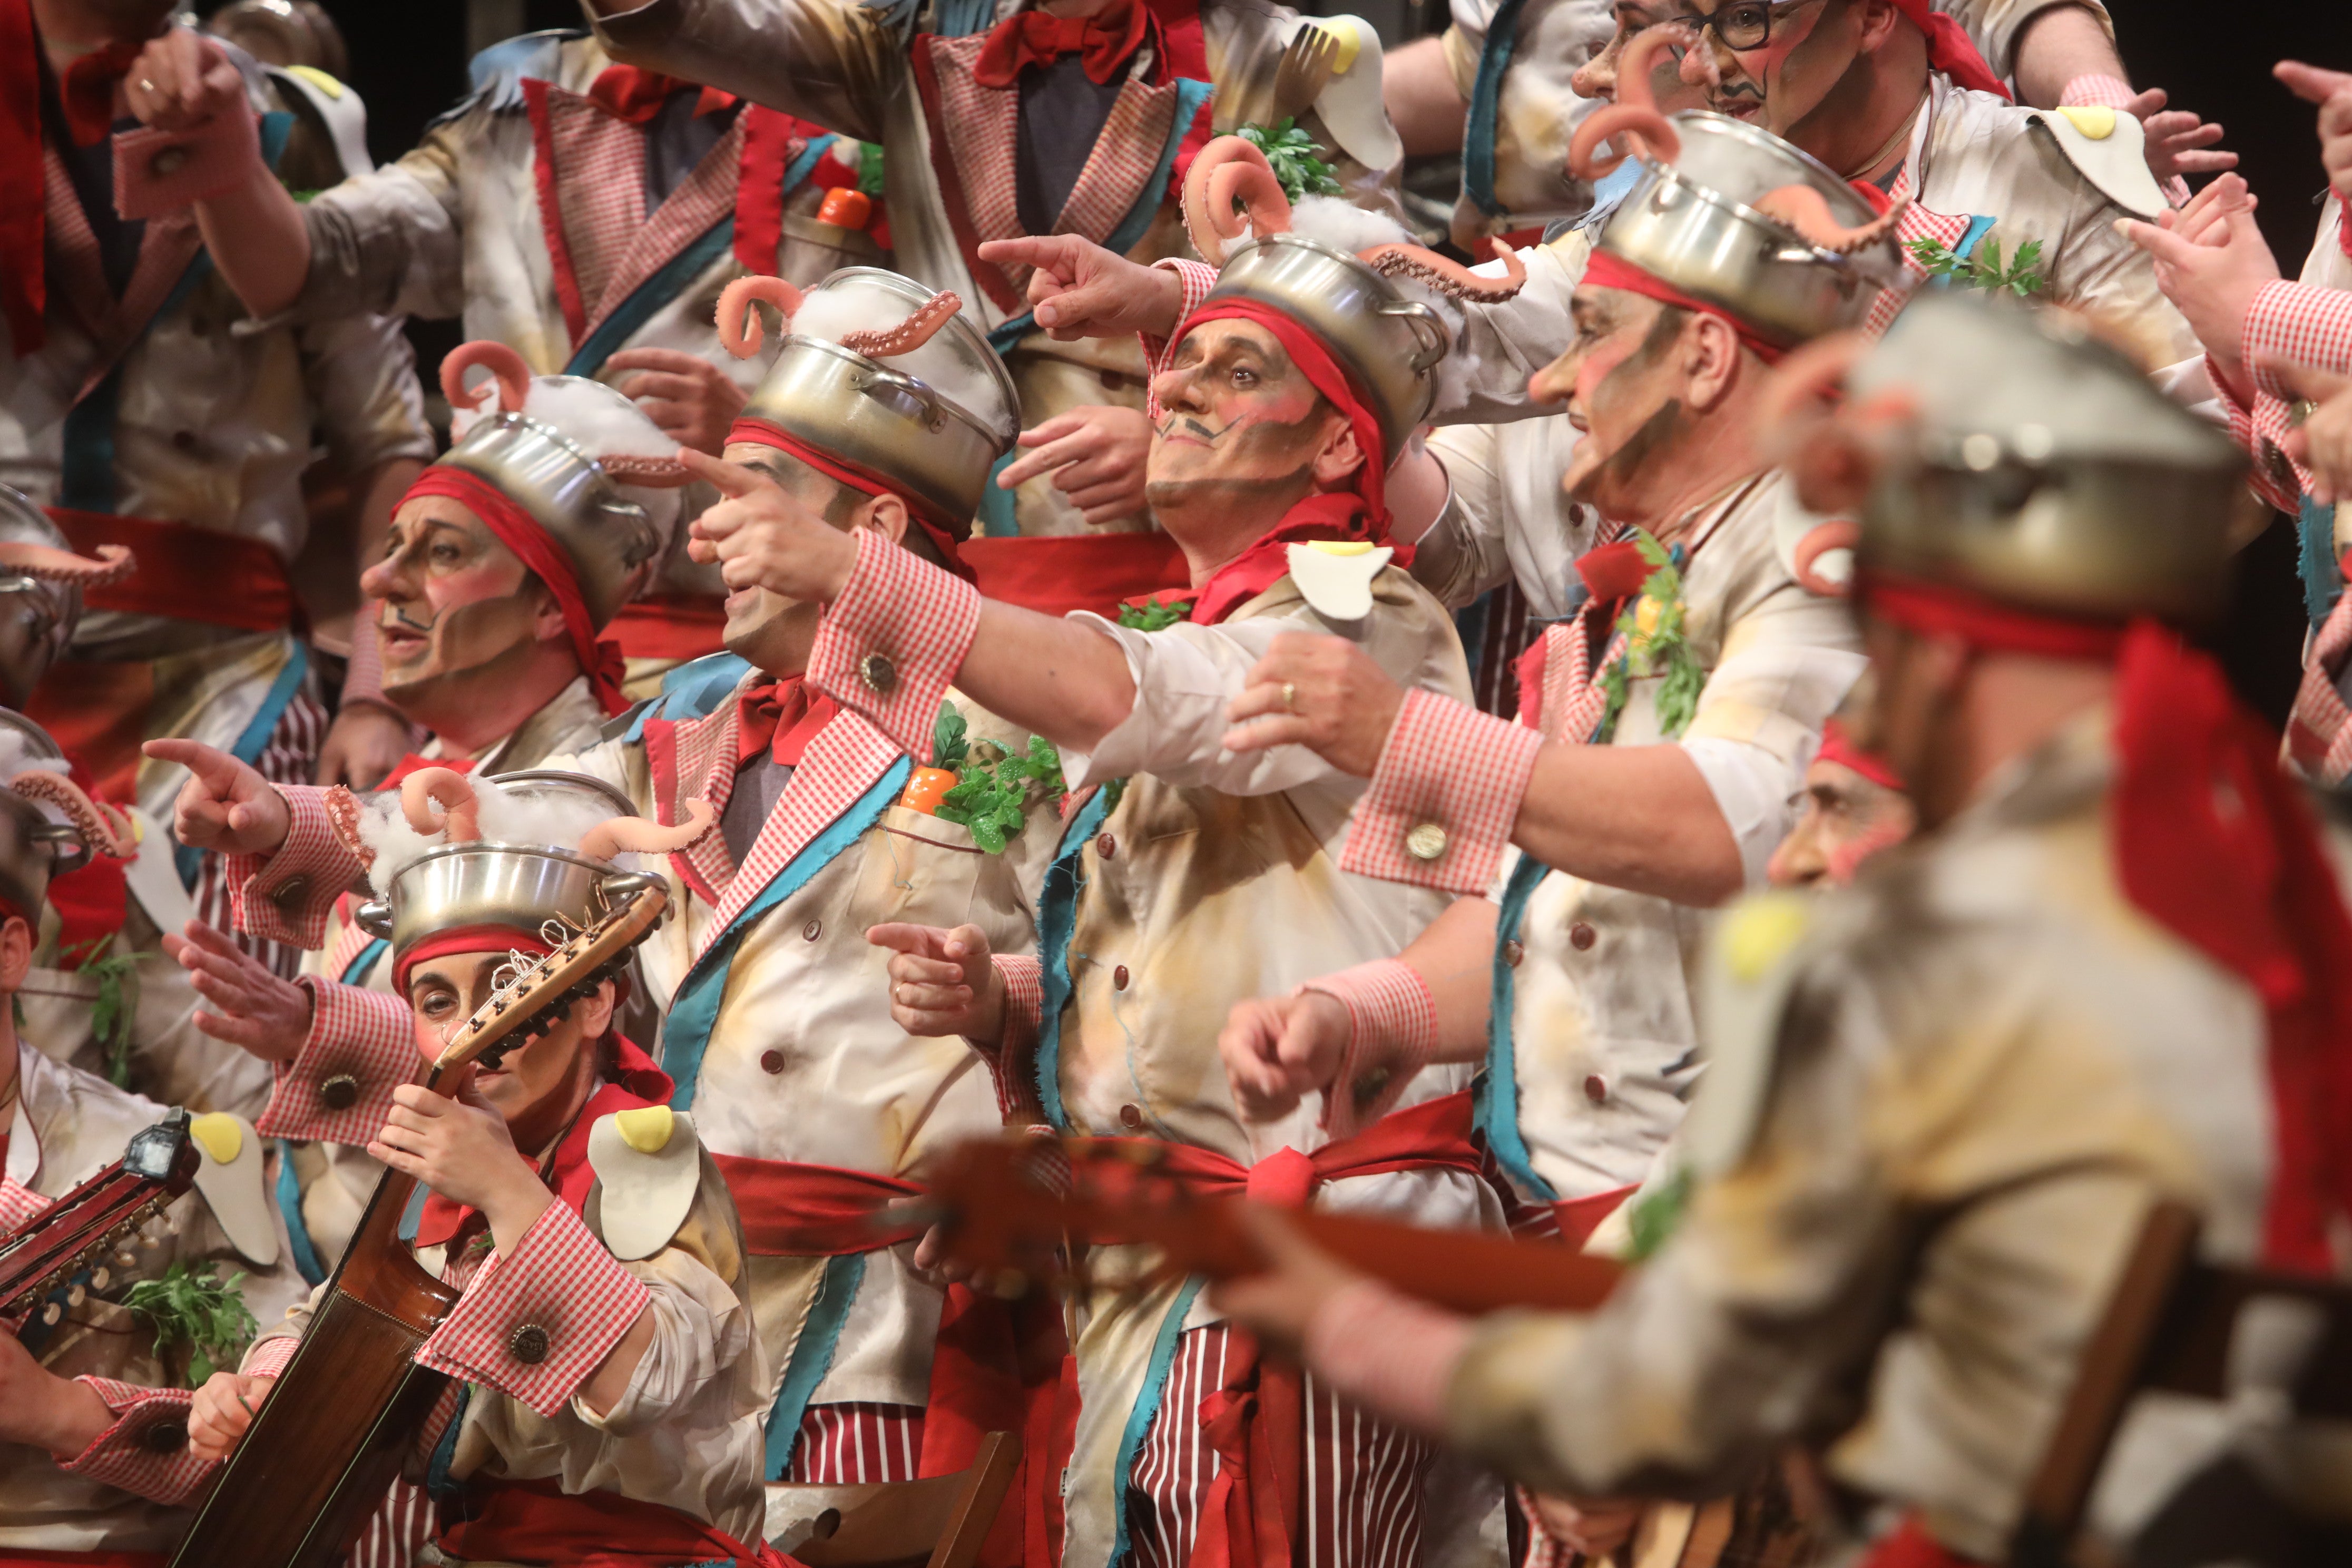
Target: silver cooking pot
{"type": "Point", "coordinates": [883, 420]}
{"type": "Point", "coordinates": [1389, 343]}
{"type": "Point", "coordinates": [1690, 223]}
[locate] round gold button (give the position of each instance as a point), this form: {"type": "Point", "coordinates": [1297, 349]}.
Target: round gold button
{"type": "Point", "coordinates": [878, 673]}
{"type": "Point", "coordinates": [1131, 1118]}
{"type": "Point", "coordinates": [1106, 846]}
{"type": "Point", "coordinates": [527, 1344]}
{"type": "Point", "coordinates": [340, 1092]}
{"type": "Point", "coordinates": [168, 162]}
{"type": "Point", "coordinates": [1425, 841]}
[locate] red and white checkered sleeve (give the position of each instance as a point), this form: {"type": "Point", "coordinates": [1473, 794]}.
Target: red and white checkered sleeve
{"type": "Point", "coordinates": [268, 1356]}
{"type": "Point", "coordinates": [287, 896]}
{"type": "Point", "coordinates": [1011, 1060]}
{"type": "Point", "coordinates": [559, 1282]}
{"type": "Point", "coordinates": [2319, 725]}
{"type": "Point", "coordinates": [1197, 277]}
{"type": "Point", "coordinates": [145, 1452]}
{"type": "Point", "coordinates": [1443, 798]}
{"type": "Point", "coordinates": [889, 647]}
{"type": "Point", "coordinates": [1392, 1033]}
{"type": "Point", "coordinates": [2258, 430]}
{"type": "Point", "coordinates": [338, 1088]}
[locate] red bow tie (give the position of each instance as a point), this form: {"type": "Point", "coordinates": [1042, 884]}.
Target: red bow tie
{"type": "Point", "coordinates": [87, 92]}
{"type": "Point", "coordinates": [624, 92]}
{"type": "Point", "coordinates": [780, 719]}
{"type": "Point", "coordinates": [1106, 40]}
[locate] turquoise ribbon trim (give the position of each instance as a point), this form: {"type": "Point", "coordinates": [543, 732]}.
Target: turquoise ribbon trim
{"type": "Point", "coordinates": [996, 516]}
{"type": "Point", "coordinates": [444, 1452]}
{"type": "Point", "coordinates": [1485, 105]}
{"type": "Point", "coordinates": [290, 1205]}
{"type": "Point", "coordinates": [820, 1336]}
{"type": "Point", "coordinates": [1147, 1400]}
{"type": "Point", "coordinates": [1495, 1102]}
{"type": "Point", "coordinates": [356, 972]}
{"type": "Point", "coordinates": [414, 1214]}
{"type": "Point", "coordinates": [2323, 580]}
{"type": "Point", "coordinates": [798, 169]}
{"type": "Point", "coordinates": [1057, 921]}
{"type": "Point", "coordinates": [648, 298]}
{"type": "Point", "coordinates": [1978, 226]}
{"type": "Point", "coordinates": [692, 690]}
{"type": "Point", "coordinates": [189, 860]}
{"type": "Point", "coordinates": [694, 1012]}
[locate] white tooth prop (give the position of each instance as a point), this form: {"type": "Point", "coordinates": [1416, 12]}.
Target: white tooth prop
{"type": "Point", "coordinates": [2110, 149]}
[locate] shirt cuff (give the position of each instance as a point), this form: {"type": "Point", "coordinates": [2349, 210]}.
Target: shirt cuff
{"type": "Point", "coordinates": [287, 896]}
{"type": "Point", "coordinates": [1443, 798]}
{"type": "Point", "coordinates": [1013, 1060]}
{"type": "Point", "coordinates": [1387, 1353]}
{"type": "Point", "coordinates": [1197, 277]}
{"type": "Point", "coordinates": [536, 1324]}
{"type": "Point", "coordinates": [2258, 431]}
{"type": "Point", "coordinates": [889, 647]}
{"type": "Point", "coordinates": [2319, 727]}
{"type": "Point", "coordinates": [1392, 1033]}
{"type": "Point", "coordinates": [338, 1088]}
{"type": "Point", "coordinates": [2097, 88]}
{"type": "Point", "coordinates": [268, 1356]}
{"type": "Point", "coordinates": [145, 1452]}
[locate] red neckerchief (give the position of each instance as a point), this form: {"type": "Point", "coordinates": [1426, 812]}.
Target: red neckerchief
{"type": "Point", "coordinates": [1107, 40]}
{"type": "Point", "coordinates": [638, 1083]}
{"type": "Point", "coordinates": [780, 719]}
{"type": "Point", "coordinates": [1337, 515]}
{"type": "Point", "coordinates": [24, 213]}
{"type": "Point", "coordinates": [412, 763]}
{"type": "Point", "coordinates": [87, 92]}
{"type": "Point", "coordinates": [624, 92]}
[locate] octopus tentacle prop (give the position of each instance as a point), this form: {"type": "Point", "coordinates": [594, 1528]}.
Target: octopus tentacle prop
{"type": "Point", "coordinates": [650, 473]}
{"type": "Point", "coordinates": [881, 342]}
{"type": "Point", "coordinates": [636, 835]}
{"type": "Point", "coordinates": [1807, 211]}
{"type": "Point", "coordinates": [1633, 123]}
{"type": "Point", "coordinates": [96, 829]}
{"type": "Point", "coordinates": [1449, 276]}
{"type": "Point", "coordinates": [344, 816]}
{"type": "Point", "coordinates": [1832, 454]}
{"type": "Point", "coordinates": [451, 791]}
{"type": "Point", "coordinates": [739, 325]}
{"type": "Point", "coordinates": [1805, 561]}
{"type": "Point", "coordinates": [38, 561]}
{"type": "Point", "coordinates": [507, 366]}
{"type": "Point", "coordinates": [1227, 170]}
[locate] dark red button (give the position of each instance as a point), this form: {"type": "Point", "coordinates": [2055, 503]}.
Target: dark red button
{"type": "Point", "coordinates": [1512, 952]}
{"type": "Point", "coordinates": [772, 1062]}
{"type": "Point", "coordinates": [1106, 846]}
{"type": "Point", "coordinates": [1596, 1087]}
{"type": "Point", "coordinates": [811, 930]}
{"type": "Point", "coordinates": [1119, 978]}
{"type": "Point", "coordinates": [1581, 936]}
{"type": "Point", "coordinates": [1131, 1118]}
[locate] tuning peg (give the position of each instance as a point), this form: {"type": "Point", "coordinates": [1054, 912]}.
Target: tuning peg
{"type": "Point", "coordinates": [125, 1259]}
{"type": "Point", "coordinates": [77, 1296]}
{"type": "Point", "coordinates": [148, 1242]}
{"type": "Point", "coordinates": [51, 1313]}
{"type": "Point", "coordinates": [98, 1277]}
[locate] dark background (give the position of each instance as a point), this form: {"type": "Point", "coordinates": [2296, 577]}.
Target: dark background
{"type": "Point", "coordinates": [408, 60]}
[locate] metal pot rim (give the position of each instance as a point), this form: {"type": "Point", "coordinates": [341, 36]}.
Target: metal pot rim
{"type": "Point", "coordinates": [1764, 142]}
{"type": "Point", "coordinates": [1855, 262]}
{"type": "Point", "coordinates": [560, 775]}
{"type": "Point", "coordinates": [1305, 243]}
{"type": "Point", "coordinates": [544, 851]}
{"type": "Point", "coordinates": [942, 400]}
{"type": "Point", "coordinates": [542, 428]}
{"type": "Point", "coordinates": [914, 293]}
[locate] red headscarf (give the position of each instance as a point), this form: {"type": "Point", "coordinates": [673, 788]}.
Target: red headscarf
{"type": "Point", "coordinates": [1949, 49]}
{"type": "Point", "coordinates": [2214, 844]}
{"type": "Point", "coordinates": [1604, 270]}
{"type": "Point", "coordinates": [600, 662]}
{"type": "Point", "coordinates": [1359, 514]}
{"type": "Point", "coordinates": [1837, 746]}
{"type": "Point", "coordinates": [944, 533]}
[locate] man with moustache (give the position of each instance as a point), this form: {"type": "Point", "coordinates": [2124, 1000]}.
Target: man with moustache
{"type": "Point", "coordinates": [1186, 876]}
{"type": "Point", "coordinates": [1854, 808]}
{"type": "Point", "coordinates": [775, 1017]}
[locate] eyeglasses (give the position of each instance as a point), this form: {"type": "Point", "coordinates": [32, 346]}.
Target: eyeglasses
{"type": "Point", "coordinates": [1743, 24]}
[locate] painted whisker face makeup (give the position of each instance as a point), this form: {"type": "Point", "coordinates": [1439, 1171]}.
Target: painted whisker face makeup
{"type": "Point", "coordinates": [1773, 64]}
{"type": "Point", "coordinates": [452, 593]}
{"type": "Point", "coordinates": [1239, 415]}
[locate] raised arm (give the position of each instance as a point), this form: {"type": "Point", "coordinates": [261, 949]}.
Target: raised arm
{"type": "Point", "coordinates": [831, 61]}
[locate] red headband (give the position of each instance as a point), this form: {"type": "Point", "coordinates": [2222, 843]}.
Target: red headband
{"type": "Point", "coordinates": [1941, 610]}
{"type": "Point", "coordinates": [1606, 271]}
{"type": "Point", "coordinates": [1325, 374]}
{"type": "Point", "coordinates": [1837, 746]}
{"type": "Point", "coordinates": [466, 939]}
{"type": "Point", "coordinates": [522, 533]}
{"type": "Point", "coordinates": [945, 534]}
{"type": "Point", "coordinates": [1950, 50]}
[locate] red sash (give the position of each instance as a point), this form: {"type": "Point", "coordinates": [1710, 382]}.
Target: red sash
{"type": "Point", "coordinates": [1578, 1217]}
{"type": "Point", "coordinates": [669, 626]}
{"type": "Point", "coordinates": [1910, 1546]}
{"type": "Point", "coordinates": [25, 1557]}
{"type": "Point", "coordinates": [792, 1210]}
{"type": "Point", "coordinates": [1062, 572]}
{"type": "Point", "coordinates": [186, 573]}
{"type": "Point", "coordinates": [536, 1522]}
{"type": "Point", "coordinates": [1256, 1421]}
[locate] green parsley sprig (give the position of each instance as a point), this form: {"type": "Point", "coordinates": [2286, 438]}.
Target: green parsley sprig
{"type": "Point", "coordinates": [113, 1010]}
{"type": "Point", "coordinates": [1296, 158]}
{"type": "Point", "coordinates": [1655, 644]}
{"type": "Point", "coordinates": [203, 1311]}
{"type": "Point", "coordinates": [1982, 267]}
{"type": "Point", "coordinates": [1154, 615]}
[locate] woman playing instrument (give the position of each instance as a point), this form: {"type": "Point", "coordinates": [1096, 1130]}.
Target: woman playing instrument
{"type": "Point", "coordinates": [608, 1382]}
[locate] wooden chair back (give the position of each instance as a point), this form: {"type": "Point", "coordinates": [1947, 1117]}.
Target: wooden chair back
{"type": "Point", "coordinates": [938, 1522]}
{"type": "Point", "coordinates": [2169, 1327]}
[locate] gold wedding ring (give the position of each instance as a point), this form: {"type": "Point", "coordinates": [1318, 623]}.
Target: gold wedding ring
{"type": "Point", "coordinates": [1290, 696]}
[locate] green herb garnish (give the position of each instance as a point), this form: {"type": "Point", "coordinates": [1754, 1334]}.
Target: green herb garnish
{"type": "Point", "coordinates": [116, 1008]}
{"type": "Point", "coordinates": [1655, 1214]}
{"type": "Point", "coordinates": [1658, 648]}
{"type": "Point", "coordinates": [203, 1311]}
{"type": "Point", "coordinates": [1981, 268]}
{"type": "Point", "coordinates": [993, 797]}
{"type": "Point", "coordinates": [1297, 159]}
{"type": "Point", "coordinates": [1157, 615]}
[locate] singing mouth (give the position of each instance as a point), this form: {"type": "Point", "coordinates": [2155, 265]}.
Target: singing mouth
{"type": "Point", "coordinates": [1190, 432]}
{"type": "Point", "coordinates": [398, 637]}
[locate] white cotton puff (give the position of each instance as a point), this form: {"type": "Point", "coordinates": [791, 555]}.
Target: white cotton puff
{"type": "Point", "coordinates": [17, 756]}
{"type": "Point", "coordinates": [828, 313]}
{"type": "Point", "coordinates": [539, 818]}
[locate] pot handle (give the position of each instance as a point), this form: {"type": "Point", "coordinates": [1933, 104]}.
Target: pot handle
{"type": "Point", "coordinates": [1428, 330]}
{"type": "Point", "coordinates": [373, 917]}
{"type": "Point", "coordinates": [907, 385]}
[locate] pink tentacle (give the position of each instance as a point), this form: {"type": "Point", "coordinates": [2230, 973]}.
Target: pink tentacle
{"type": "Point", "coordinates": [908, 335]}
{"type": "Point", "coordinates": [739, 326]}
{"type": "Point", "coordinates": [449, 789]}
{"type": "Point", "coordinates": [96, 828]}
{"type": "Point", "coordinates": [1633, 123]}
{"type": "Point", "coordinates": [344, 816]}
{"type": "Point", "coordinates": [636, 835]}
{"type": "Point", "coordinates": [512, 374]}
{"type": "Point", "coordinates": [1838, 534]}
{"type": "Point", "coordinates": [649, 473]}
{"type": "Point", "coordinates": [29, 560]}
{"type": "Point", "coordinates": [1229, 169]}
{"type": "Point", "coordinates": [1447, 276]}
{"type": "Point", "coordinates": [1807, 211]}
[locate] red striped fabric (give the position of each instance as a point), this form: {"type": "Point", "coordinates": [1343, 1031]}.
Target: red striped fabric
{"type": "Point", "coordinates": [1362, 1487]}
{"type": "Point", "coordinates": [849, 1444]}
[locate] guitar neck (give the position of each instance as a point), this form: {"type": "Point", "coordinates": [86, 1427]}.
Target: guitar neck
{"type": "Point", "coordinates": [1461, 1270]}
{"type": "Point", "coordinates": [77, 1232]}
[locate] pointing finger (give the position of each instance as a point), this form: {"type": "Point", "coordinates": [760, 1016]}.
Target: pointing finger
{"type": "Point", "coordinates": [2310, 83]}
{"type": "Point", "coordinates": [732, 479]}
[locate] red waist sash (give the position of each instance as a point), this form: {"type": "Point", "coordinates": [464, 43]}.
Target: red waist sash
{"type": "Point", "coordinates": [1062, 572]}
{"type": "Point", "coordinates": [1909, 1545]}
{"type": "Point", "coordinates": [669, 626]}
{"type": "Point", "coordinates": [186, 573]}
{"type": "Point", "coordinates": [792, 1210]}
{"type": "Point", "coordinates": [1256, 1420]}
{"type": "Point", "coordinates": [538, 1522]}
{"type": "Point", "coordinates": [25, 1557]}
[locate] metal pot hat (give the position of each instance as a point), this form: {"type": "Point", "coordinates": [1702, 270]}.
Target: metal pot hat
{"type": "Point", "coordinates": [1734, 216]}
{"type": "Point", "coordinates": [47, 825]}
{"type": "Point", "coordinates": [578, 458]}
{"type": "Point", "coordinates": [2009, 451]}
{"type": "Point", "coordinates": [470, 881]}
{"type": "Point", "coordinates": [41, 582]}
{"type": "Point", "coordinates": [1360, 307]}
{"type": "Point", "coordinates": [922, 405]}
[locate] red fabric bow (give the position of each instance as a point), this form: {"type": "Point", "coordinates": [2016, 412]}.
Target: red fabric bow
{"type": "Point", "coordinates": [624, 92]}
{"type": "Point", "coordinates": [1949, 49]}
{"type": "Point", "coordinates": [1339, 515]}
{"type": "Point", "coordinates": [1606, 271]}
{"type": "Point", "coordinates": [522, 533]}
{"type": "Point", "coordinates": [87, 92]}
{"type": "Point", "coordinates": [1107, 40]}
{"type": "Point", "coordinates": [780, 719]}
